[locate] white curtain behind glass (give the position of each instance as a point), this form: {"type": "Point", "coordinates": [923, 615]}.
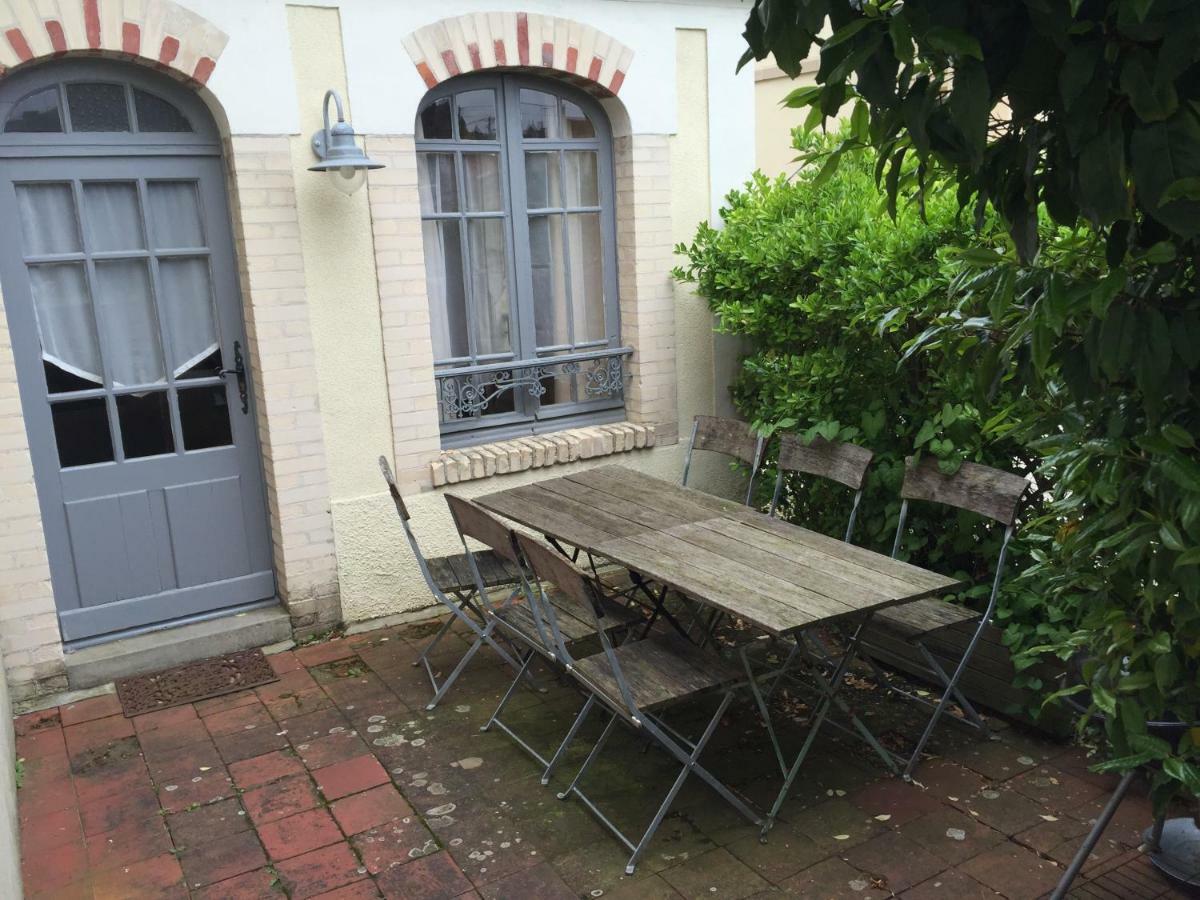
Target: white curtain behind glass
{"type": "Point", "coordinates": [122, 296]}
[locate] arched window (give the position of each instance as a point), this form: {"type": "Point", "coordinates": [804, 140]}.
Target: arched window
{"type": "Point", "coordinates": [516, 187]}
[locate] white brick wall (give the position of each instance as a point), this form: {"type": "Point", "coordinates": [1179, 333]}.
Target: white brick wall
{"type": "Point", "coordinates": [282, 363]}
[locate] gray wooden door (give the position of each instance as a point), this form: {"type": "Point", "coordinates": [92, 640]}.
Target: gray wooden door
{"type": "Point", "coordinates": [120, 288]}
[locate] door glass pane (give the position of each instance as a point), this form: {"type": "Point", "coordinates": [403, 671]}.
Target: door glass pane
{"type": "Point", "coordinates": [48, 223]}
{"type": "Point", "coordinates": [481, 172]}
{"type": "Point", "coordinates": [444, 285]}
{"type": "Point", "coordinates": [145, 424]}
{"type": "Point", "coordinates": [81, 432]}
{"type": "Point", "coordinates": [587, 275]}
{"type": "Point", "coordinates": [576, 122]}
{"type": "Point", "coordinates": [489, 285]}
{"type": "Point", "coordinates": [97, 107]}
{"type": "Point", "coordinates": [66, 322]}
{"type": "Point", "coordinates": [175, 221]}
{"type": "Point", "coordinates": [113, 216]}
{"type": "Point", "coordinates": [434, 121]}
{"type": "Point", "coordinates": [541, 179]}
{"type": "Point", "coordinates": [549, 281]}
{"type": "Point", "coordinates": [539, 114]}
{"type": "Point", "coordinates": [125, 304]}
{"type": "Point", "coordinates": [476, 115]}
{"type": "Point", "coordinates": [36, 114]}
{"type": "Point", "coordinates": [204, 415]}
{"type": "Point", "coordinates": [186, 304]}
{"type": "Point", "coordinates": [583, 186]}
{"type": "Point", "coordinates": [437, 183]}
{"type": "Point", "coordinates": [155, 114]}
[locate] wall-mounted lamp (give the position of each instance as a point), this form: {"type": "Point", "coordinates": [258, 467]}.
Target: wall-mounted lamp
{"type": "Point", "coordinates": [340, 155]}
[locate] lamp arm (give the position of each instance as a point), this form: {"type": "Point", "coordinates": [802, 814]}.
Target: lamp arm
{"type": "Point", "coordinates": [341, 115]}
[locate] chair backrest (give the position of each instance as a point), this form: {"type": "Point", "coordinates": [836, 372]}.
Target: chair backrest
{"type": "Point", "coordinates": [579, 593]}
{"type": "Point", "coordinates": [729, 437]}
{"type": "Point", "coordinates": [980, 489]}
{"type": "Point", "coordinates": [402, 511]}
{"type": "Point", "coordinates": [844, 463]}
{"type": "Point", "coordinates": [992, 493]}
{"type": "Point", "coordinates": [474, 521]}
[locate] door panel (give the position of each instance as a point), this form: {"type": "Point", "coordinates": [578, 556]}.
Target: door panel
{"type": "Point", "coordinates": [122, 298]}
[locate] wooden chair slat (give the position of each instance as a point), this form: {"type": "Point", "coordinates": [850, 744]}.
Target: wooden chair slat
{"type": "Point", "coordinates": [836, 460]}
{"type": "Point", "coordinates": [923, 617]}
{"type": "Point", "coordinates": [475, 522]}
{"type": "Point", "coordinates": [981, 489]}
{"type": "Point", "coordinates": [728, 436]}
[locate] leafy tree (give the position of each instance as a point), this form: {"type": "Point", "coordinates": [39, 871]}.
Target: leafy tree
{"type": "Point", "coordinates": [1084, 114]}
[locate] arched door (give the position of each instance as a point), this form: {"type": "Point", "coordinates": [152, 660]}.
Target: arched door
{"type": "Point", "coordinates": [119, 283]}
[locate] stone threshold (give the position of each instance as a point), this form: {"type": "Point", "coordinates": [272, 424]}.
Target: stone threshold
{"type": "Point", "coordinates": [539, 451]}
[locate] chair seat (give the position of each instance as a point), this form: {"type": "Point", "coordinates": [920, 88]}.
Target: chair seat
{"type": "Point", "coordinates": [922, 617]}
{"type": "Point", "coordinates": [519, 618]}
{"type": "Point", "coordinates": [453, 573]}
{"type": "Point", "coordinates": [660, 670]}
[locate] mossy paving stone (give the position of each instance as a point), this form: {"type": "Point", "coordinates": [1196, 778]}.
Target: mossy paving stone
{"type": "Point", "coordinates": [487, 845]}
{"type": "Point", "coordinates": [95, 762]}
{"type": "Point", "coordinates": [715, 874]}
{"type": "Point", "coordinates": [836, 824]}
{"type": "Point", "coordinates": [951, 835]}
{"type": "Point", "coordinates": [785, 853]}
{"type": "Point", "coordinates": [601, 867]}
{"type": "Point", "coordinates": [557, 827]}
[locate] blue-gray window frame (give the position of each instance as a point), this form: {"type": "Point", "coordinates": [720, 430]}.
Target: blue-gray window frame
{"type": "Point", "coordinates": [600, 361]}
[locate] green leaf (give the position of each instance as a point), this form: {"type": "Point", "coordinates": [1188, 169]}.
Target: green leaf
{"type": "Point", "coordinates": [928, 430]}
{"type": "Point", "coordinates": [1178, 435]}
{"type": "Point", "coordinates": [1104, 197]}
{"type": "Point", "coordinates": [1042, 341]}
{"type": "Point", "coordinates": [846, 32]}
{"type": "Point", "coordinates": [1188, 558]}
{"type": "Point", "coordinates": [1183, 189]}
{"type": "Point", "coordinates": [953, 42]}
{"type": "Point", "coordinates": [970, 105]}
{"type": "Point", "coordinates": [901, 35]}
{"type": "Point", "coordinates": [1183, 471]}
{"type": "Point", "coordinates": [860, 120]}
{"type": "Point", "coordinates": [1171, 537]}
{"type": "Point", "coordinates": [1163, 154]}
{"type": "Point", "coordinates": [1152, 98]}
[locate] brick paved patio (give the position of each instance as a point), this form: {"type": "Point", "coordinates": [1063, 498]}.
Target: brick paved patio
{"type": "Point", "coordinates": [334, 782]}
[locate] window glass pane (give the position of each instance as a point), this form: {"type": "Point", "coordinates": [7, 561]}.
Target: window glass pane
{"type": "Point", "coordinates": [48, 223]}
{"type": "Point", "coordinates": [113, 215]}
{"type": "Point", "coordinates": [476, 115]}
{"type": "Point", "coordinates": [489, 285]}
{"type": "Point", "coordinates": [156, 114]}
{"type": "Point", "coordinates": [175, 221]}
{"type": "Point", "coordinates": [549, 281]}
{"type": "Point", "coordinates": [587, 275]}
{"type": "Point", "coordinates": [437, 183]}
{"type": "Point", "coordinates": [97, 107]}
{"type": "Point", "coordinates": [36, 114]}
{"type": "Point", "coordinates": [60, 381]}
{"type": "Point", "coordinates": [541, 179]}
{"type": "Point", "coordinates": [444, 285]}
{"type": "Point", "coordinates": [208, 367]}
{"type": "Point", "coordinates": [125, 305]}
{"type": "Point", "coordinates": [187, 309]}
{"type": "Point", "coordinates": [145, 424]}
{"type": "Point", "coordinates": [204, 416]}
{"type": "Point", "coordinates": [582, 183]}
{"type": "Point", "coordinates": [539, 114]}
{"type": "Point", "coordinates": [66, 323]}
{"type": "Point", "coordinates": [575, 122]}
{"type": "Point", "coordinates": [434, 121]}
{"type": "Point", "coordinates": [481, 172]}
{"type": "Point", "coordinates": [81, 432]}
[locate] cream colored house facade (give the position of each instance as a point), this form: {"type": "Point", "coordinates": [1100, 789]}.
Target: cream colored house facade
{"type": "Point", "coordinates": [334, 291]}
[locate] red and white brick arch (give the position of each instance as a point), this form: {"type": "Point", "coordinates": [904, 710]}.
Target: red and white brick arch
{"type": "Point", "coordinates": [487, 40]}
{"type": "Point", "coordinates": [159, 32]}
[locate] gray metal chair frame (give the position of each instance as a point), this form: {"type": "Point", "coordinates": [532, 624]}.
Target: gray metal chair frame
{"type": "Point", "coordinates": [989, 492]}
{"type": "Point", "coordinates": [575, 585]}
{"type": "Point", "coordinates": [475, 522]}
{"type": "Point", "coordinates": [729, 437]}
{"type": "Point", "coordinates": [464, 608]}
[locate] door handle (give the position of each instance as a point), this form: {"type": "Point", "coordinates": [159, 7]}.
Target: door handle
{"type": "Point", "coordinates": [239, 369]}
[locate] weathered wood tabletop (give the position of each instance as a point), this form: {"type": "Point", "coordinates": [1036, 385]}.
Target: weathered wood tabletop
{"type": "Point", "coordinates": [775, 575]}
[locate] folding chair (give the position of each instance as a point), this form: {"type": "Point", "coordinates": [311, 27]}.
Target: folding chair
{"type": "Point", "coordinates": [844, 463]}
{"type": "Point", "coordinates": [989, 492]}
{"type": "Point", "coordinates": [466, 578]}
{"type": "Point", "coordinates": [635, 683]}
{"type": "Point", "coordinates": [521, 619]}
{"type": "Point", "coordinates": [728, 437]}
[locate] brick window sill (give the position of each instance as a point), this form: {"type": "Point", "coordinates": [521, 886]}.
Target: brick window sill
{"type": "Point", "coordinates": [539, 451]}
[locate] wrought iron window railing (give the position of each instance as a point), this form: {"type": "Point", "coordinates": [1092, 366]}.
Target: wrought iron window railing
{"type": "Point", "coordinates": [469, 396]}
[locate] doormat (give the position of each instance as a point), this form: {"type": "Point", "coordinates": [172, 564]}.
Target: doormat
{"type": "Point", "coordinates": [195, 681]}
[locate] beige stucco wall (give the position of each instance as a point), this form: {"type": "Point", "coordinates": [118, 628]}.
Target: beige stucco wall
{"type": "Point", "coordinates": [773, 122]}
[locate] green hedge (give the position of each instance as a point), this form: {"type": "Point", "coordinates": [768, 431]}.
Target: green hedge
{"type": "Point", "coordinates": [826, 290]}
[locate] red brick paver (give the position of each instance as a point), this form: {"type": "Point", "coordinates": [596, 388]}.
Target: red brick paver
{"type": "Point", "coordinates": [334, 782]}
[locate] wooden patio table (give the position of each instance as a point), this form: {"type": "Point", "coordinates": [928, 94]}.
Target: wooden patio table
{"type": "Point", "coordinates": [776, 576]}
